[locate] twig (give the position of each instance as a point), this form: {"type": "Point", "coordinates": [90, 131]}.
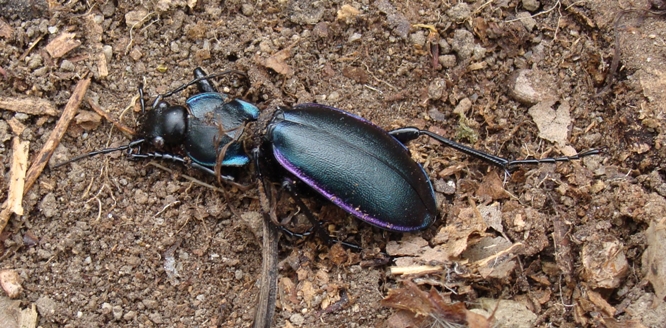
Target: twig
{"type": "Point", "coordinates": [103, 113]}
{"type": "Point", "coordinates": [68, 114]}
{"type": "Point", "coordinates": [17, 182]}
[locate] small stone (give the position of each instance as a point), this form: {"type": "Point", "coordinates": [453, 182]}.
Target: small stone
{"type": "Point", "coordinates": [355, 37]}
{"type": "Point", "coordinates": [106, 308]}
{"type": "Point", "coordinates": [446, 188]}
{"type": "Point", "coordinates": [436, 89]}
{"type": "Point", "coordinates": [463, 43]}
{"type": "Point", "coordinates": [459, 12]}
{"type": "Point", "coordinates": [463, 106]}
{"type": "Point", "coordinates": [156, 318]}
{"type": "Point", "coordinates": [117, 312]}
{"type": "Point", "coordinates": [247, 9]}
{"type": "Point", "coordinates": [334, 96]}
{"type": "Point", "coordinates": [531, 5]}
{"type": "Point", "coordinates": [151, 304]}
{"type": "Point", "coordinates": [447, 61]}
{"type": "Point", "coordinates": [532, 86]}
{"type": "Point", "coordinates": [321, 30]}
{"type": "Point", "coordinates": [107, 50]}
{"type": "Point", "coordinates": [418, 38]}
{"type": "Point", "coordinates": [297, 319]}
{"type": "Point", "coordinates": [444, 47]}
{"type": "Point", "coordinates": [35, 61]}
{"type": "Point", "coordinates": [436, 115]}
{"type": "Point", "coordinates": [129, 316]}
{"type": "Point", "coordinates": [48, 205]}
{"type": "Point", "coordinates": [11, 283]}
{"type": "Point", "coordinates": [67, 65]}
{"type": "Point", "coordinates": [527, 20]}
{"type": "Point", "coordinates": [46, 306]}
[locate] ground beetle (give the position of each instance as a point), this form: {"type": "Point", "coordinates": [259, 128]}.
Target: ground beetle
{"type": "Point", "coordinates": [358, 166]}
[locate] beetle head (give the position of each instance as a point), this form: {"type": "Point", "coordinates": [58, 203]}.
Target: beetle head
{"type": "Point", "coordinates": [165, 125]}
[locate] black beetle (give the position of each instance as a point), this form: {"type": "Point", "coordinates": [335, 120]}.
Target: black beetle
{"type": "Point", "coordinates": [358, 166]}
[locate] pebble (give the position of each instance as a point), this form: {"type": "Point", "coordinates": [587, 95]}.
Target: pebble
{"type": "Point", "coordinates": [297, 319]}
{"type": "Point", "coordinates": [531, 5]}
{"type": "Point", "coordinates": [247, 9]}
{"type": "Point", "coordinates": [527, 20]}
{"type": "Point", "coordinates": [459, 12]}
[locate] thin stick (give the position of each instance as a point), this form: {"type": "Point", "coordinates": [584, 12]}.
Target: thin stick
{"type": "Point", "coordinates": [108, 118]}
{"type": "Point", "coordinates": [17, 182]}
{"type": "Point", "coordinates": [68, 114]}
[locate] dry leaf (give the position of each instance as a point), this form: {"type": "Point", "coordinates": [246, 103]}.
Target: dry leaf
{"type": "Point", "coordinates": [654, 262]}
{"type": "Point", "coordinates": [553, 124]}
{"type": "Point", "coordinates": [277, 62]}
{"type": "Point", "coordinates": [604, 262]}
{"type": "Point", "coordinates": [420, 303]}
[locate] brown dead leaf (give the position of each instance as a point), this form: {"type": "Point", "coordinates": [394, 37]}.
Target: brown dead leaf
{"type": "Point", "coordinates": [614, 323]}
{"type": "Point", "coordinates": [287, 293]}
{"type": "Point", "coordinates": [12, 316]}
{"type": "Point", "coordinates": [492, 187]}
{"type": "Point", "coordinates": [420, 303]}
{"type": "Point", "coordinates": [654, 262]}
{"type": "Point", "coordinates": [405, 319]}
{"type": "Point", "coordinates": [604, 262]}
{"type": "Point", "coordinates": [6, 30]}
{"type": "Point", "coordinates": [357, 74]}
{"type": "Point", "coordinates": [277, 62]}
{"type": "Point", "coordinates": [338, 254]}
{"type": "Point", "coordinates": [308, 291]}
{"type": "Point", "coordinates": [601, 303]}
{"type": "Point", "coordinates": [456, 235]}
{"type": "Point", "coordinates": [88, 120]}
{"type": "Point", "coordinates": [553, 124]}
{"type": "Point", "coordinates": [409, 245]}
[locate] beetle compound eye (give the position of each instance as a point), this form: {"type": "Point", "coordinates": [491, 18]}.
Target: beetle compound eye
{"type": "Point", "coordinates": [158, 142]}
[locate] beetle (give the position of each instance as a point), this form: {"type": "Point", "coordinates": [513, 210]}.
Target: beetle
{"type": "Point", "coordinates": [358, 166]}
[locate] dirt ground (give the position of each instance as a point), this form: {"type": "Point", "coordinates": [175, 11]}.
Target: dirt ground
{"type": "Point", "coordinates": [110, 242]}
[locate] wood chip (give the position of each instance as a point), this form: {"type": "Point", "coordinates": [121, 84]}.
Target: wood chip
{"type": "Point", "coordinates": [28, 105]}
{"type": "Point", "coordinates": [54, 138]}
{"type": "Point", "coordinates": [16, 182]}
{"type": "Point", "coordinates": [16, 125]}
{"type": "Point", "coordinates": [11, 283]}
{"type": "Point", "coordinates": [416, 270]}
{"type": "Point", "coordinates": [62, 44]}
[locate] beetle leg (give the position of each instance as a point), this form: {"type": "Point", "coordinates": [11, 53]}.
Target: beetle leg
{"type": "Point", "coordinates": [203, 85]}
{"type": "Point", "coordinates": [410, 133]}
{"type": "Point", "coordinates": [316, 224]}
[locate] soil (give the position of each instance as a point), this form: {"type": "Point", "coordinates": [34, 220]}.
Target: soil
{"type": "Point", "coordinates": [106, 241]}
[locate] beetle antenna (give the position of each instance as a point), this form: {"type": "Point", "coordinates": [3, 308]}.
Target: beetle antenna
{"type": "Point", "coordinates": [201, 78]}
{"type": "Point", "coordinates": [129, 146]}
{"type": "Point", "coordinates": [141, 100]}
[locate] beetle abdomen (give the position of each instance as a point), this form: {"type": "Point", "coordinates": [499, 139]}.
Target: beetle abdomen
{"type": "Point", "coordinates": [355, 164]}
